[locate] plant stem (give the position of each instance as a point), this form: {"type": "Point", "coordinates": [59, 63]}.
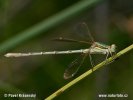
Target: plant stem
{"type": "Point", "coordinates": [109, 60]}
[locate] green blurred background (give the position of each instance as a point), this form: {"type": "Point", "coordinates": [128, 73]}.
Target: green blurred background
{"type": "Point", "coordinates": [109, 21]}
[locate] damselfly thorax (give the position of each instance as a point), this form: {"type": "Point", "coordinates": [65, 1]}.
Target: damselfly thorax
{"type": "Point", "coordinates": [110, 49]}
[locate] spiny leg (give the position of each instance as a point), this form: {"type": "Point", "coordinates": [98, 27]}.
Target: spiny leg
{"type": "Point", "coordinates": [108, 52]}
{"type": "Point", "coordinates": [111, 54]}
{"type": "Point", "coordinates": [92, 64]}
{"type": "Point", "coordinates": [106, 57]}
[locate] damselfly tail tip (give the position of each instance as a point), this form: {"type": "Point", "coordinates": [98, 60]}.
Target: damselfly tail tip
{"type": "Point", "coordinates": [12, 55]}
{"type": "Point", "coordinates": [7, 55]}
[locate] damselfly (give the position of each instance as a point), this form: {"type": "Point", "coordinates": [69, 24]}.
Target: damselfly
{"type": "Point", "coordinates": [95, 48]}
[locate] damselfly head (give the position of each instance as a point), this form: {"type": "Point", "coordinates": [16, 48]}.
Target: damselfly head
{"type": "Point", "coordinates": [113, 47]}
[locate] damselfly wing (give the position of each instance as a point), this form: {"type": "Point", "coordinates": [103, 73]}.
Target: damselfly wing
{"type": "Point", "coordinates": [70, 40]}
{"type": "Point", "coordinates": [83, 29]}
{"type": "Point", "coordinates": [74, 66]}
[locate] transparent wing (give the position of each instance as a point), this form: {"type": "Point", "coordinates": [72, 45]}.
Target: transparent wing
{"type": "Point", "coordinates": [83, 29]}
{"type": "Point", "coordinates": [74, 66]}
{"type": "Point", "coordinates": [70, 40]}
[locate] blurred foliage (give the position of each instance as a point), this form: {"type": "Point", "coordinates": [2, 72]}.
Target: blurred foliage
{"type": "Point", "coordinates": [43, 75]}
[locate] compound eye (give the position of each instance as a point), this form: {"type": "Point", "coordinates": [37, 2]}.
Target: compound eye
{"type": "Point", "coordinates": [113, 47]}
